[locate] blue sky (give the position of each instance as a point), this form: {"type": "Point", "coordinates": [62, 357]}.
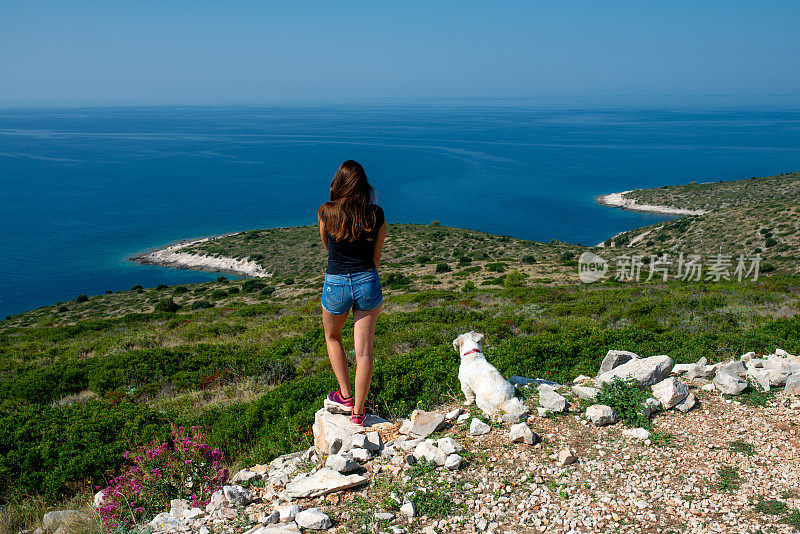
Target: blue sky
{"type": "Point", "coordinates": [232, 51]}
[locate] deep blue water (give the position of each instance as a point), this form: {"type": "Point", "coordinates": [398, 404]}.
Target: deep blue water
{"type": "Point", "coordinates": [84, 188]}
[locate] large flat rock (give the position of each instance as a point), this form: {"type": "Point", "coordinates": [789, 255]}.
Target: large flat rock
{"type": "Point", "coordinates": [645, 371]}
{"type": "Point", "coordinates": [322, 482]}
{"type": "Point", "coordinates": [329, 426]}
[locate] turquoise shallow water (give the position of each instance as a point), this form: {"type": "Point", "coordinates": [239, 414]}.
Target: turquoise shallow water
{"type": "Point", "coordinates": [82, 189]}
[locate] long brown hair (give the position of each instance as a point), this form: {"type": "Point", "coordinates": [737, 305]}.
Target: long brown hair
{"type": "Point", "coordinates": [350, 213]}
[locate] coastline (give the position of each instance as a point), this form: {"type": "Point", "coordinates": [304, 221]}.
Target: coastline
{"type": "Point", "coordinates": [171, 256]}
{"type": "Point", "coordinates": [618, 200]}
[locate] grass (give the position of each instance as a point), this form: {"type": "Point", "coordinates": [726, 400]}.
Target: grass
{"type": "Point", "coordinates": [729, 479]}
{"type": "Point", "coordinates": [433, 503]}
{"type": "Point", "coordinates": [753, 396]}
{"type": "Point", "coordinates": [742, 447]}
{"type": "Point", "coordinates": [770, 507]}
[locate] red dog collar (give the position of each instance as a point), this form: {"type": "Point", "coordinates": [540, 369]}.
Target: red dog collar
{"type": "Point", "coordinates": [471, 351]}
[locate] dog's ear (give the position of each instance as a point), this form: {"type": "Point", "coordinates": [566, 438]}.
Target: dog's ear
{"type": "Point", "coordinates": [457, 343]}
{"type": "Point", "coordinates": [476, 337]}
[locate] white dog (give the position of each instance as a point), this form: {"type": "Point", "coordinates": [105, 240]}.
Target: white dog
{"type": "Point", "coordinates": [482, 383]}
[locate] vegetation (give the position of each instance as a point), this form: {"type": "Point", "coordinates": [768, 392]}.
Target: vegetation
{"type": "Point", "coordinates": [745, 217]}
{"type": "Point", "coordinates": [80, 386]}
{"type": "Point", "coordinates": [627, 400]}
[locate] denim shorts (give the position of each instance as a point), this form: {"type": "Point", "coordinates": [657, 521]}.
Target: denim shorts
{"type": "Point", "coordinates": [360, 291]}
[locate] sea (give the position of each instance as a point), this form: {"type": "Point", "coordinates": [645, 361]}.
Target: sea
{"type": "Point", "coordinates": [82, 189]}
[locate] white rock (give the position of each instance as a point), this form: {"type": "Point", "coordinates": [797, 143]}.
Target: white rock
{"type": "Point", "coordinates": [408, 509]}
{"type": "Point", "coordinates": [542, 412]}
{"type": "Point", "coordinates": [782, 353]}
{"type": "Point", "coordinates": [384, 516]}
{"type": "Point", "coordinates": [448, 445]}
{"type": "Point", "coordinates": [581, 379]}
{"type": "Point", "coordinates": [237, 495]}
{"type": "Point", "coordinates": [521, 433]}
{"type": "Point", "coordinates": [98, 498]}
{"type": "Point", "coordinates": [551, 400]}
{"type": "Point", "coordinates": [746, 357]}
{"type": "Point", "coordinates": [736, 367]}
{"type": "Point", "coordinates": [566, 456]}
{"type": "Point", "coordinates": [478, 427]}
{"type": "Point", "coordinates": [424, 423]}
{"type": "Point", "coordinates": [759, 377]}
{"type": "Point", "coordinates": [601, 415]}
{"type": "Point", "coordinates": [313, 519]}
{"type": "Point", "coordinates": [645, 371]}
{"type": "Point", "coordinates": [615, 358]}
{"type": "Point", "coordinates": [343, 462]}
{"type": "Point", "coordinates": [687, 404]}
{"type": "Point", "coordinates": [244, 475]}
{"type": "Point", "coordinates": [670, 392]}
{"type": "Point", "coordinates": [322, 482]}
{"type": "Point", "coordinates": [792, 385]}
{"type": "Point", "coordinates": [287, 512]}
{"type": "Point", "coordinates": [708, 387]}
{"type": "Point", "coordinates": [362, 455]}
{"type": "Point", "coordinates": [453, 462]}
{"type": "Point", "coordinates": [729, 383]}
{"type": "Point", "coordinates": [286, 528]}
{"type": "Point", "coordinates": [328, 427]}
{"type": "Point", "coordinates": [163, 521]}
{"type": "Point", "coordinates": [681, 368]}
{"type": "Point", "coordinates": [453, 414]}
{"type": "Point", "coordinates": [585, 392]}
{"type": "Point", "coordinates": [370, 441]}
{"type": "Point", "coordinates": [651, 406]}
{"type": "Point", "coordinates": [216, 502]}
{"type": "Point", "coordinates": [193, 513]}
{"type": "Point", "coordinates": [429, 452]}
{"type": "Point", "coordinates": [463, 417]}
{"type": "Point", "coordinates": [178, 507]}
{"type": "Point", "coordinates": [53, 520]}
{"type": "Point", "coordinates": [637, 433]}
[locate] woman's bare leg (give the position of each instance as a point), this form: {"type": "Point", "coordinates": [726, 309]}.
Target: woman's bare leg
{"type": "Point", "coordinates": [364, 334]}
{"type": "Point", "coordinates": [333, 325]}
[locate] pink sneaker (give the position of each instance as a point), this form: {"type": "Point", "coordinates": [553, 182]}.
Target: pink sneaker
{"type": "Point", "coordinates": [357, 419]}
{"type": "Point", "coordinates": [336, 403]}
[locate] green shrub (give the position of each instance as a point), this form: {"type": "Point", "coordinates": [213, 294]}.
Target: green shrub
{"type": "Point", "coordinates": [81, 298]}
{"type": "Point", "coordinates": [514, 279]}
{"type": "Point", "coordinates": [464, 260]}
{"type": "Point", "coordinates": [496, 267]}
{"type": "Point", "coordinates": [167, 305]}
{"type": "Point", "coordinates": [55, 450]}
{"type": "Point", "coordinates": [423, 259]}
{"type": "Point", "coordinates": [138, 288]}
{"type": "Point", "coordinates": [180, 290]}
{"type": "Point", "coordinates": [201, 304]}
{"type": "Point", "coordinates": [219, 294]}
{"type": "Point", "coordinates": [162, 286]}
{"type": "Point", "coordinates": [252, 284]}
{"type": "Point", "coordinates": [442, 268]}
{"type": "Point", "coordinates": [627, 399]}
{"type": "Point", "coordinates": [233, 290]}
{"type": "Point", "coordinates": [288, 281]}
{"type": "Point", "coordinates": [222, 279]}
{"type": "Point", "coordinates": [268, 290]}
{"type": "Point", "coordinates": [469, 287]}
{"type": "Point", "coordinates": [62, 309]}
{"type": "Point", "coordinates": [396, 281]}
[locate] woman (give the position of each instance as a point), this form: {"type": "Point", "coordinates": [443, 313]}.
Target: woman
{"type": "Point", "coordinates": [352, 229]}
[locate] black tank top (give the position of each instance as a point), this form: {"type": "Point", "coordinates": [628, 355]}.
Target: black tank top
{"type": "Point", "coordinates": [355, 257]}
